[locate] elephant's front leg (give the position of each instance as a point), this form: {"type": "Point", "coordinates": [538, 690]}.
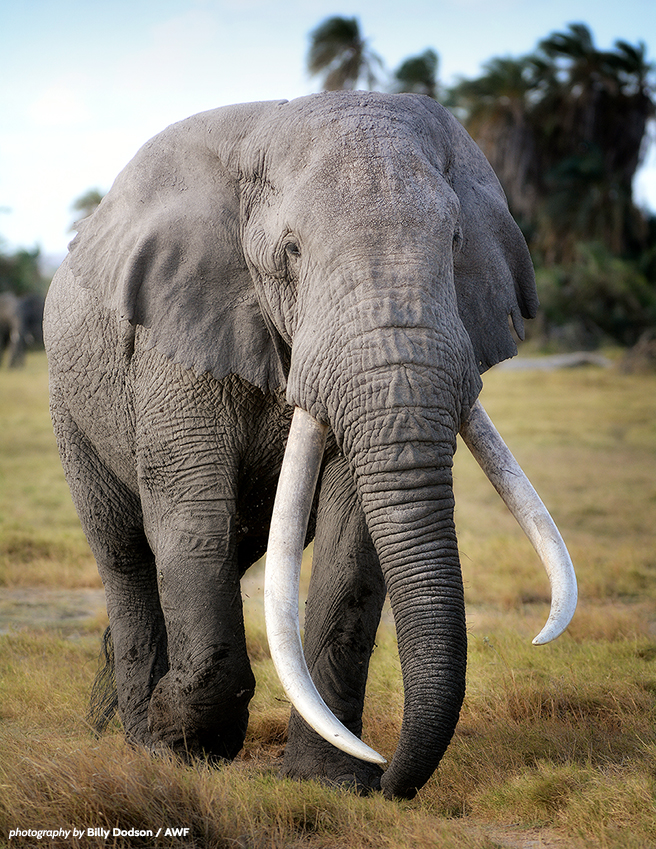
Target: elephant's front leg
{"type": "Point", "coordinates": [343, 609]}
{"type": "Point", "coordinates": [111, 518]}
{"type": "Point", "coordinates": [200, 707]}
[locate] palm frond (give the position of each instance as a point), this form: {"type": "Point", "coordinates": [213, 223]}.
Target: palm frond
{"type": "Point", "coordinates": [330, 40]}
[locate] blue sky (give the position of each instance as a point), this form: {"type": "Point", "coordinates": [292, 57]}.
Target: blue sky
{"type": "Point", "coordinates": [84, 84]}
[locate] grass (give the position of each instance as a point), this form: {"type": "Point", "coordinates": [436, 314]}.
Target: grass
{"type": "Point", "coordinates": [41, 543]}
{"type": "Point", "coordinates": [556, 745]}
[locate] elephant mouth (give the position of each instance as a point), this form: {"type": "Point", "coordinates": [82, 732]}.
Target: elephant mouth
{"type": "Point", "coordinates": [294, 498]}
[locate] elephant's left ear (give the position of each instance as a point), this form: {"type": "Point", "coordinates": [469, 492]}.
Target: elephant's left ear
{"type": "Point", "coordinates": [494, 275]}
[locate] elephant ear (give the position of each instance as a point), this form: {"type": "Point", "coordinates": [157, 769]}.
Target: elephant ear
{"type": "Point", "coordinates": [493, 271]}
{"type": "Point", "coordinates": [163, 251]}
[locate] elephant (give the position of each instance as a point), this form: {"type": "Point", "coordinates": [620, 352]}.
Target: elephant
{"type": "Point", "coordinates": [342, 267]}
{"type": "Point", "coordinates": [9, 326]}
{"type": "Point", "coordinates": [20, 325]}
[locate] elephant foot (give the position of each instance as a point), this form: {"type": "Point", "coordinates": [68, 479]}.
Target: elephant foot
{"type": "Point", "coordinates": [194, 731]}
{"type": "Point", "coordinates": [215, 745]}
{"type": "Point", "coordinates": [318, 760]}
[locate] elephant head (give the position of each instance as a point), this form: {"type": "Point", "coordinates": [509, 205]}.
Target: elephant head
{"type": "Point", "coordinates": [356, 250]}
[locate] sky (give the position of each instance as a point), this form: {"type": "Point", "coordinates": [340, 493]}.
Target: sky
{"type": "Point", "coordinates": [83, 84]}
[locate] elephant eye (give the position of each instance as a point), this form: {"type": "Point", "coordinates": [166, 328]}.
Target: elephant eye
{"type": "Point", "coordinates": [457, 241]}
{"type": "Point", "coordinates": [292, 254]}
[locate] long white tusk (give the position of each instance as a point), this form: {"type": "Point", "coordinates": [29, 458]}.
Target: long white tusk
{"type": "Point", "coordinates": [505, 474]}
{"type": "Point", "coordinates": [291, 511]}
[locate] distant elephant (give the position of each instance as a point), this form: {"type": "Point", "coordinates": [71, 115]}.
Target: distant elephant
{"type": "Point", "coordinates": [20, 325]}
{"type": "Point", "coordinates": [9, 326]}
{"type": "Point", "coordinates": [347, 254]}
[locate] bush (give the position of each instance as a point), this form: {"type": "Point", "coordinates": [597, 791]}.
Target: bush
{"type": "Point", "coordinates": [598, 298]}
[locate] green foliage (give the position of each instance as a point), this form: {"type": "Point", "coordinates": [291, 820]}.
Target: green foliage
{"type": "Point", "coordinates": [599, 297]}
{"type": "Point", "coordinates": [564, 129]}
{"type": "Point", "coordinates": [20, 273]}
{"type": "Point", "coordinates": [418, 74]}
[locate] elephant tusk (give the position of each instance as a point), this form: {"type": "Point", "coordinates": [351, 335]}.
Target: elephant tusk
{"type": "Point", "coordinates": [291, 511]}
{"type": "Point", "coordinates": [505, 474]}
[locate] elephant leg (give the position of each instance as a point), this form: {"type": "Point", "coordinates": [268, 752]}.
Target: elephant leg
{"type": "Point", "coordinates": [200, 707]}
{"type": "Point", "coordinates": [137, 628]}
{"type": "Point", "coordinates": [110, 515]}
{"type": "Point", "coordinates": [343, 609]}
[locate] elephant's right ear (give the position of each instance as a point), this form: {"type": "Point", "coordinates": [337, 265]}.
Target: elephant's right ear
{"type": "Point", "coordinates": [493, 272]}
{"type": "Point", "coordinates": [163, 250]}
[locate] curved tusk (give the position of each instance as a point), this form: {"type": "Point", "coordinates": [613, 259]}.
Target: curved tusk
{"type": "Point", "coordinates": [505, 474]}
{"type": "Point", "coordinates": [291, 511]}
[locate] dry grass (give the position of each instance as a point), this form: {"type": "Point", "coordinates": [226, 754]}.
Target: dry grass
{"type": "Point", "coordinates": [41, 542]}
{"type": "Point", "coordinates": [556, 745]}
{"type": "Point", "coordinates": [586, 439]}
{"type": "Point", "coordinates": [240, 805]}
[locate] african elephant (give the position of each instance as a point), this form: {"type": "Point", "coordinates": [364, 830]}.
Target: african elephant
{"type": "Point", "coordinates": [9, 326]}
{"type": "Point", "coordinates": [347, 254]}
{"type": "Point", "coordinates": [20, 325]}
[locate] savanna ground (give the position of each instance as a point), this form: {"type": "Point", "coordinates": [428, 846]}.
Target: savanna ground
{"type": "Point", "coordinates": [556, 746]}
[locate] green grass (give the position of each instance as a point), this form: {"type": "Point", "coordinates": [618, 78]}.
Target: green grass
{"type": "Point", "coordinates": [555, 743]}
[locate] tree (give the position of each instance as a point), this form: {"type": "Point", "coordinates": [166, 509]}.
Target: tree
{"type": "Point", "coordinates": [593, 119]}
{"type": "Point", "coordinates": [417, 74]}
{"type": "Point", "coordinates": [86, 204]}
{"type": "Point", "coordinates": [564, 129]}
{"type": "Point", "coordinates": [20, 272]}
{"type": "Point", "coordinates": [495, 109]}
{"type": "Point", "coordinates": [338, 51]}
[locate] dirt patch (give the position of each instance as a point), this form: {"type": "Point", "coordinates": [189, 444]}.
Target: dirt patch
{"type": "Point", "coordinates": [33, 607]}
{"type": "Point", "coordinates": [555, 361]}
{"type": "Point", "coordinates": [36, 607]}
{"type": "Point", "coordinates": [512, 837]}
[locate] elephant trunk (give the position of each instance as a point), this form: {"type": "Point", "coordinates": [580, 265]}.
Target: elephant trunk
{"type": "Point", "coordinates": [403, 473]}
{"type": "Point", "coordinates": [401, 459]}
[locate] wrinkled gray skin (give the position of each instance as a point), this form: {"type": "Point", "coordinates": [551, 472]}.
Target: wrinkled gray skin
{"type": "Point", "coordinates": [20, 326]}
{"type": "Point", "coordinates": [350, 253]}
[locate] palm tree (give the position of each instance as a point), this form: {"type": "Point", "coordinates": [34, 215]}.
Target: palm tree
{"type": "Point", "coordinates": [564, 130]}
{"type": "Point", "coordinates": [338, 51]}
{"type": "Point", "coordinates": [417, 74]}
{"type": "Point", "coordinates": [495, 109]}
{"type": "Point", "coordinates": [594, 117]}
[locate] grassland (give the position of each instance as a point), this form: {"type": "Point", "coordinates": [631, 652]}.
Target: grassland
{"type": "Point", "coordinates": [556, 745]}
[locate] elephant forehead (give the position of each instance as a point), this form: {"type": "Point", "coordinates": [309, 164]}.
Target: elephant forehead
{"type": "Point", "coordinates": [373, 185]}
{"type": "Point", "coordinates": [348, 129]}
{"type": "Point", "coordinates": [365, 113]}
